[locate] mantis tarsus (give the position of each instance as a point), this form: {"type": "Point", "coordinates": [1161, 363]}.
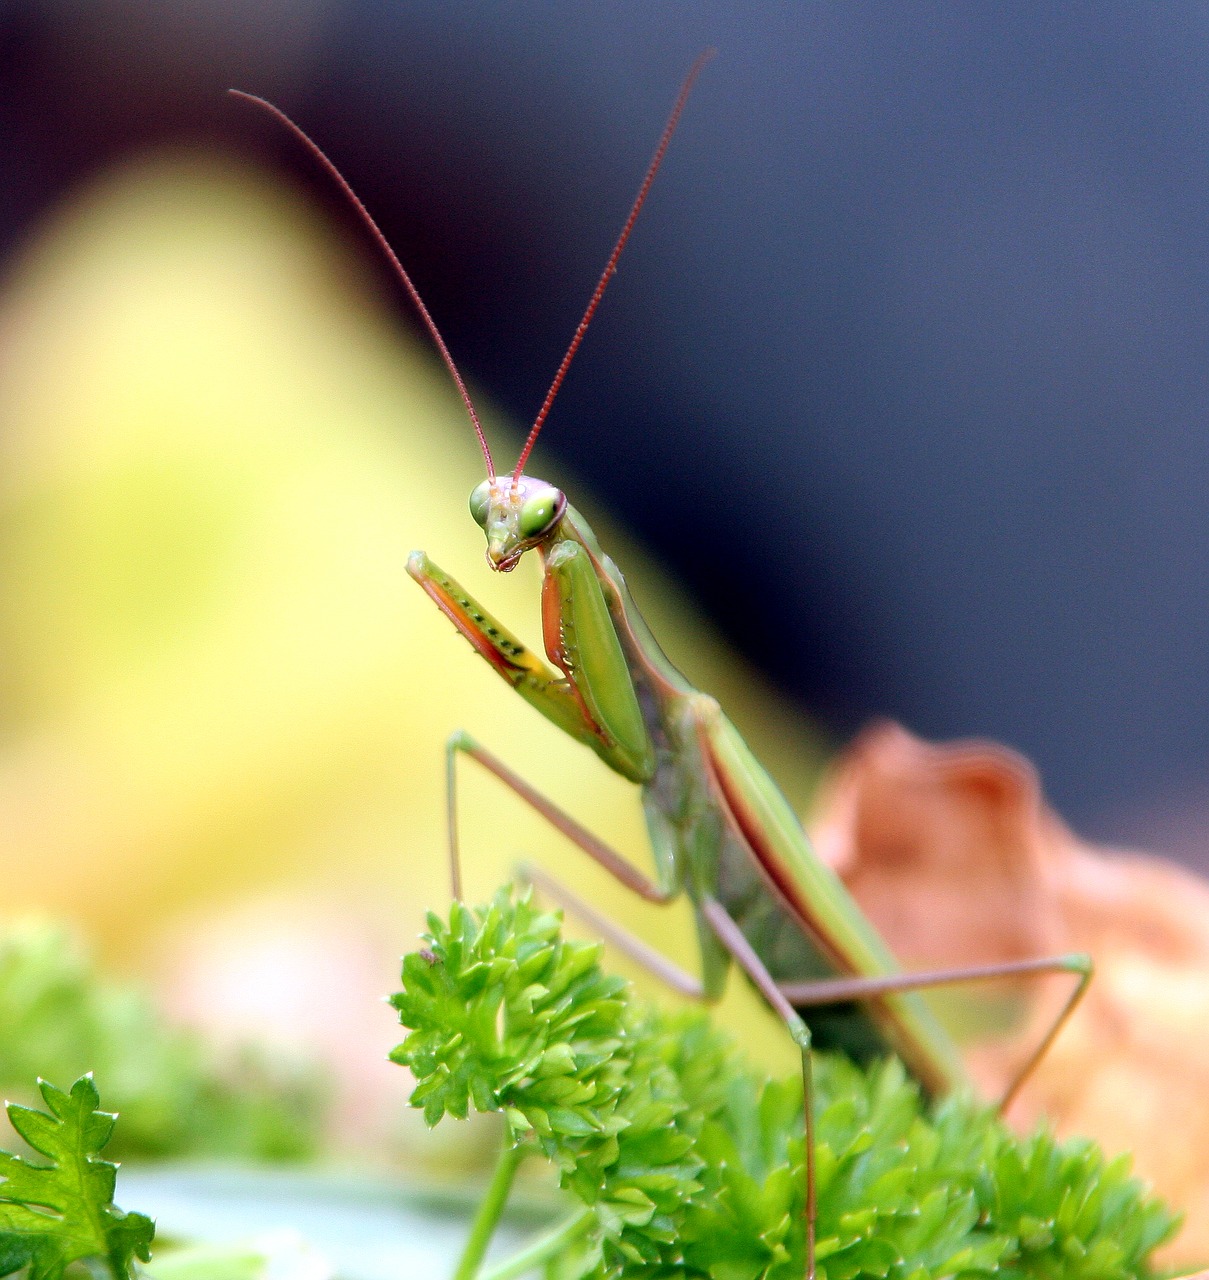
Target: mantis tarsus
{"type": "Point", "coordinates": [720, 830]}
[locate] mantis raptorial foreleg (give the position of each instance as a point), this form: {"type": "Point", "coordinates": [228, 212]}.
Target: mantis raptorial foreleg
{"type": "Point", "coordinates": [547, 690]}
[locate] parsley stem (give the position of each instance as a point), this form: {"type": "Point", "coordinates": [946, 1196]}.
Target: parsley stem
{"type": "Point", "coordinates": [488, 1215]}
{"type": "Point", "coordinates": [543, 1248]}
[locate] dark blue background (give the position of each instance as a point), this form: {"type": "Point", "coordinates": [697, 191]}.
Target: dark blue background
{"type": "Point", "coordinates": [906, 371]}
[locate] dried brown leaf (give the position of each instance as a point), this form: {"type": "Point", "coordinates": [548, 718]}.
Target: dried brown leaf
{"type": "Point", "coordinates": [952, 852]}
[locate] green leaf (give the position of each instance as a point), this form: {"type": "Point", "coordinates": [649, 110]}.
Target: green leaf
{"type": "Point", "coordinates": [54, 1214]}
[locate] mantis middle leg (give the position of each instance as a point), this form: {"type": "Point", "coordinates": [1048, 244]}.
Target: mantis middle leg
{"type": "Point", "coordinates": [461, 743]}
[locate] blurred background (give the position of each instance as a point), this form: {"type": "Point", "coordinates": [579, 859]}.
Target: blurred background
{"type": "Point", "coordinates": [896, 407]}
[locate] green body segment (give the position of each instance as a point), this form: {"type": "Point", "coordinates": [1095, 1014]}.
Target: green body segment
{"type": "Point", "coordinates": [815, 904]}
{"type": "Point", "coordinates": [720, 828]}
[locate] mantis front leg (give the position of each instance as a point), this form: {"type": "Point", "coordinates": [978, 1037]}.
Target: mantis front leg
{"type": "Point", "coordinates": [550, 692]}
{"type": "Point", "coordinates": [590, 695]}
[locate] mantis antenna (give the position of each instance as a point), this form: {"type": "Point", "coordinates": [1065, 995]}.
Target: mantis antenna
{"type": "Point", "coordinates": [611, 266]}
{"type": "Point", "coordinates": [609, 271]}
{"type": "Point", "coordinates": [384, 244]}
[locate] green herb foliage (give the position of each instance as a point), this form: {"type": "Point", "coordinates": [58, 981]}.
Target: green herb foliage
{"type": "Point", "coordinates": [692, 1164]}
{"type": "Point", "coordinates": [54, 1214]}
{"type": "Point", "coordinates": [58, 1019]}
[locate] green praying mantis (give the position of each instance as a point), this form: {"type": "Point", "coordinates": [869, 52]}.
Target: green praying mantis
{"type": "Point", "coordinates": [720, 830]}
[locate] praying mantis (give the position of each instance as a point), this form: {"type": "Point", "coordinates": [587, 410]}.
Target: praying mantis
{"type": "Point", "coordinates": [720, 831]}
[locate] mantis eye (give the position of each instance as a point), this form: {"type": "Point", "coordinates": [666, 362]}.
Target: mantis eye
{"type": "Point", "coordinates": [538, 514]}
{"type": "Point", "coordinates": [480, 500]}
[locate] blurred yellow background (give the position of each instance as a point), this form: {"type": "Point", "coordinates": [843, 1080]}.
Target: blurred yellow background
{"type": "Point", "coordinates": [224, 702]}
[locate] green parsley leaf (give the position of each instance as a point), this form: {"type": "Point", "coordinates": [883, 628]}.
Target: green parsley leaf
{"type": "Point", "coordinates": [54, 1214]}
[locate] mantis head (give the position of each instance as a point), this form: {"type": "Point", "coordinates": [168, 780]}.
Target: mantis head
{"type": "Point", "coordinates": [517, 514]}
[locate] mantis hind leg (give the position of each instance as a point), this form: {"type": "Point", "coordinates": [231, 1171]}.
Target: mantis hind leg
{"type": "Point", "coordinates": [803, 995]}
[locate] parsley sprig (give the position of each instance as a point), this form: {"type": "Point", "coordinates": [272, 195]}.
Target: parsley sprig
{"type": "Point", "coordinates": [687, 1163]}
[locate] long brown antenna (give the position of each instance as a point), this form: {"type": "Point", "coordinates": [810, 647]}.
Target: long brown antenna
{"type": "Point", "coordinates": [384, 244]}
{"type": "Point", "coordinates": [611, 266]}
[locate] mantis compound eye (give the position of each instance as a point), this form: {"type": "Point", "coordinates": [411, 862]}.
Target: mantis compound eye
{"type": "Point", "coordinates": [480, 499]}
{"type": "Point", "coordinates": [539, 513]}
